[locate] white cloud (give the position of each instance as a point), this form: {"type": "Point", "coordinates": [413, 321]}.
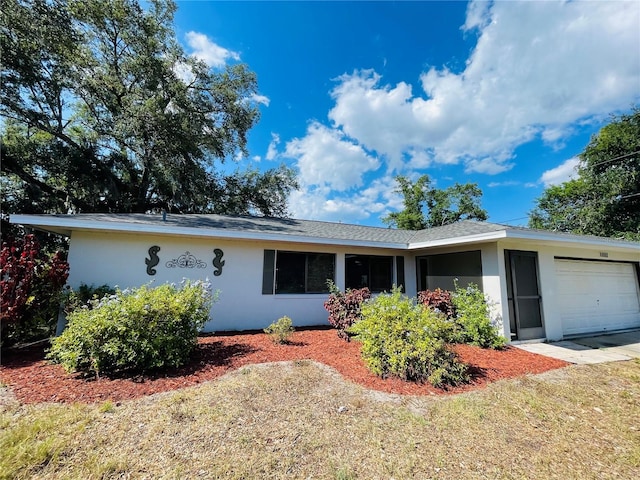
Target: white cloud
{"type": "Point", "coordinates": [209, 52]}
{"type": "Point", "coordinates": [478, 15]}
{"type": "Point", "coordinates": [419, 159]}
{"type": "Point", "coordinates": [325, 157]}
{"type": "Point", "coordinates": [537, 68]}
{"type": "Point", "coordinates": [257, 98]}
{"type": "Point", "coordinates": [506, 183]}
{"type": "Point", "coordinates": [272, 150]}
{"type": "Point", "coordinates": [562, 173]}
{"type": "Point", "coordinates": [381, 118]}
{"type": "Point", "coordinates": [256, 158]}
{"type": "Point", "coordinates": [320, 203]}
{"type": "Point", "coordinates": [488, 165]}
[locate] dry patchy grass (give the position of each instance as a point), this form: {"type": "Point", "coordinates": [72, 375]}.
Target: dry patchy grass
{"type": "Point", "coordinates": [302, 420]}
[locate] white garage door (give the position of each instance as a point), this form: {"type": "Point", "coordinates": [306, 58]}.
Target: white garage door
{"type": "Point", "coordinates": [597, 296]}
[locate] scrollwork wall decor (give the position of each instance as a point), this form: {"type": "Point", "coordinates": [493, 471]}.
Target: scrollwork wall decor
{"type": "Point", "coordinates": [153, 260]}
{"type": "Point", "coordinates": [218, 263]}
{"type": "Point", "coordinates": [186, 260]}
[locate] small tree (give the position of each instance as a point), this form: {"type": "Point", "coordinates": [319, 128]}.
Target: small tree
{"type": "Point", "coordinates": [31, 286]}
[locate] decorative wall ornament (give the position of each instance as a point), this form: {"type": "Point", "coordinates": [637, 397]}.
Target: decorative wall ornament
{"type": "Point", "coordinates": [153, 260]}
{"type": "Point", "coordinates": [218, 262]}
{"type": "Point", "coordinates": [186, 260]}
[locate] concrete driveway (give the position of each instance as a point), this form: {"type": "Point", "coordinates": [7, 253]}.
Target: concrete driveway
{"type": "Point", "coordinates": [595, 349]}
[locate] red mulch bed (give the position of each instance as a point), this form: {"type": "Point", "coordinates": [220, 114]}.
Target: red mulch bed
{"type": "Point", "coordinates": [34, 380]}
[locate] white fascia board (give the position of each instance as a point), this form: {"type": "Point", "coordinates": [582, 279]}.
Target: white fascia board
{"type": "Point", "coordinates": [533, 236]}
{"type": "Point", "coordinates": [554, 238]}
{"type": "Point", "coordinates": [452, 241]}
{"type": "Point", "coordinates": [57, 223]}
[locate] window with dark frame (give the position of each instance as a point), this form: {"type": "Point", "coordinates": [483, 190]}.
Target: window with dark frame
{"type": "Point", "coordinates": [444, 270]}
{"type": "Point", "coordinates": [303, 272]}
{"type": "Point", "coordinates": [372, 271]}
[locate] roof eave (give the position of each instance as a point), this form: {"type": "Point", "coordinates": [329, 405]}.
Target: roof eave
{"type": "Point", "coordinates": [450, 241]}
{"type": "Point", "coordinates": [555, 238]}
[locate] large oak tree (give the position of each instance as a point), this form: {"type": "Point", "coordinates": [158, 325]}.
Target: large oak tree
{"type": "Point", "coordinates": [104, 112]}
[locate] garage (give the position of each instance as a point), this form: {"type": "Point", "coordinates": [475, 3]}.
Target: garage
{"type": "Point", "coordinates": [597, 296]}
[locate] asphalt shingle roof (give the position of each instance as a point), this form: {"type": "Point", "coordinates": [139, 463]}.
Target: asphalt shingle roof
{"type": "Point", "coordinates": [282, 226]}
{"type": "Point", "coordinates": [295, 228]}
{"type": "Point", "coordinates": [463, 228]}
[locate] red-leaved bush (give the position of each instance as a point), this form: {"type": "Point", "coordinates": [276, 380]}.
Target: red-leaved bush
{"type": "Point", "coordinates": [345, 308]}
{"type": "Point", "coordinates": [31, 288]}
{"type": "Point", "coordinates": [439, 300]}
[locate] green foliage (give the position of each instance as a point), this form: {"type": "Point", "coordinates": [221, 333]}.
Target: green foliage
{"type": "Point", "coordinates": [106, 407]}
{"type": "Point", "coordinates": [400, 338]}
{"type": "Point", "coordinates": [85, 296]}
{"type": "Point", "coordinates": [603, 200]}
{"type": "Point", "coordinates": [415, 194]}
{"type": "Point", "coordinates": [473, 319]}
{"type": "Point", "coordinates": [104, 111]}
{"type": "Point", "coordinates": [455, 203]}
{"type": "Point", "coordinates": [135, 330]}
{"type": "Point", "coordinates": [280, 331]}
{"type": "Point", "coordinates": [443, 206]}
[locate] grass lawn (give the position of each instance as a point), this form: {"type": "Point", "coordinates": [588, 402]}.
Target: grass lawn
{"type": "Point", "coordinates": [302, 420]}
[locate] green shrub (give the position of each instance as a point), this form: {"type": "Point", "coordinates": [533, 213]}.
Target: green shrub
{"type": "Point", "coordinates": [474, 319]}
{"type": "Point", "coordinates": [345, 308]}
{"type": "Point", "coordinates": [135, 330]}
{"type": "Point", "coordinates": [280, 330]}
{"type": "Point", "coordinates": [439, 300]}
{"type": "Point", "coordinates": [85, 296]}
{"type": "Point", "coordinates": [402, 339]}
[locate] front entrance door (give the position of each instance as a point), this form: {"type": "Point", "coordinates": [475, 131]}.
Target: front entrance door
{"type": "Point", "coordinates": [525, 311]}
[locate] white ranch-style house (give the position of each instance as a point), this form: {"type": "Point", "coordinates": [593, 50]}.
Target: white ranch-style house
{"type": "Point", "coordinates": [542, 285]}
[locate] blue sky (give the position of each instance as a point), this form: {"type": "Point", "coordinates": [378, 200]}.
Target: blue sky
{"type": "Point", "coordinates": [504, 94]}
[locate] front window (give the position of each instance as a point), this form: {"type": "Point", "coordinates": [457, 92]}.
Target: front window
{"type": "Point", "coordinates": [371, 271]}
{"type": "Point", "coordinates": [445, 270]}
{"type": "Point", "coordinates": [300, 272]}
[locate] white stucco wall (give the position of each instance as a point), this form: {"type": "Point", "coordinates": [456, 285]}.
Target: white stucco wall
{"type": "Point", "coordinates": [119, 259]}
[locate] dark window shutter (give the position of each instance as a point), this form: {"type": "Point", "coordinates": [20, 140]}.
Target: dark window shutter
{"type": "Point", "coordinates": [268, 272]}
{"type": "Point", "coordinates": [400, 273]}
